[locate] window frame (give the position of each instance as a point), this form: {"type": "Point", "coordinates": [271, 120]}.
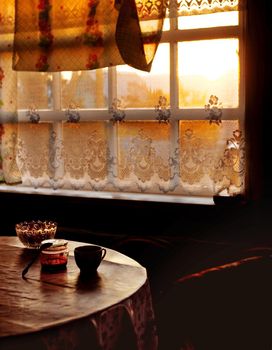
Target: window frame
{"type": "Point", "coordinates": [173, 37]}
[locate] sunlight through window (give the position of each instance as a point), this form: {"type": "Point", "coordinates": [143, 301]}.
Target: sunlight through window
{"type": "Point", "coordinates": [209, 20]}
{"type": "Point", "coordinates": [208, 67]}
{"type": "Point", "coordinates": [140, 89]}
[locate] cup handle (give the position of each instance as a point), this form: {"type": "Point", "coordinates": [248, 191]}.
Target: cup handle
{"type": "Point", "coordinates": [103, 253]}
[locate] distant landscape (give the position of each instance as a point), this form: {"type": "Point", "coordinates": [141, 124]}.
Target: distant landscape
{"type": "Point", "coordinates": [135, 91]}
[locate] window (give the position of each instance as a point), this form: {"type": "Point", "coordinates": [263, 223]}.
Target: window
{"type": "Point", "coordinates": [197, 79]}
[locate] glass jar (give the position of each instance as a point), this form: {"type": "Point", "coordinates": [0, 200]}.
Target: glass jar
{"type": "Point", "coordinates": [54, 257]}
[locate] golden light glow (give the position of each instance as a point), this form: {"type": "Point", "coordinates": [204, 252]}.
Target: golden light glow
{"type": "Point", "coordinates": [208, 67]}
{"type": "Point", "coordinates": [211, 59]}
{"type": "Point", "coordinates": [160, 64]}
{"type": "Point", "coordinates": [218, 19]}
{"type": "Point", "coordinates": [205, 67]}
{"type": "Point", "coordinates": [142, 89]}
{"type": "Point", "coordinates": [210, 20]}
{"type": "Point", "coordinates": [66, 75]}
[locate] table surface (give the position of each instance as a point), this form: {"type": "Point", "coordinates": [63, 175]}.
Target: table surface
{"type": "Point", "coordinates": [44, 299]}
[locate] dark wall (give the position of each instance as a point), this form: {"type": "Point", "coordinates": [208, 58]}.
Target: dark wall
{"type": "Point", "coordinates": [99, 216]}
{"type": "Point", "coordinates": [110, 222]}
{"type": "Point", "coordinates": [258, 97]}
{"type": "Point", "coordinates": [117, 217]}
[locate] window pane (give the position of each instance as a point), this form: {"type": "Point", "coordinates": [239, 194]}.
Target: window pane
{"type": "Point", "coordinates": [212, 157]}
{"type": "Point", "coordinates": [166, 25]}
{"type": "Point", "coordinates": [218, 19]}
{"type": "Point", "coordinates": [85, 151]}
{"type": "Point", "coordinates": [35, 153]}
{"type": "Point", "coordinates": [34, 89]}
{"type": "Point", "coordinates": [166, 22]}
{"type": "Point", "coordinates": [84, 89]}
{"type": "Point", "coordinates": [138, 89]}
{"type": "Point", "coordinates": [143, 156]}
{"type": "Point", "coordinates": [208, 67]}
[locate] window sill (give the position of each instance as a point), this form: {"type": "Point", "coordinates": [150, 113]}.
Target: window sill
{"type": "Point", "coordinates": [109, 195]}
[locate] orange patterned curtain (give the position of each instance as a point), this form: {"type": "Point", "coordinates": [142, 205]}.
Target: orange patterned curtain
{"type": "Point", "coordinates": [58, 35]}
{"type": "Point", "coordinates": [8, 97]}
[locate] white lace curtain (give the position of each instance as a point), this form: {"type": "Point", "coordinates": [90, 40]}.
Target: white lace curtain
{"type": "Point", "coordinates": [133, 157]}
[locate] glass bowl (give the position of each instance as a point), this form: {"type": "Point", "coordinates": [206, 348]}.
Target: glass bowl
{"type": "Point", "coordinates": [32, 233]}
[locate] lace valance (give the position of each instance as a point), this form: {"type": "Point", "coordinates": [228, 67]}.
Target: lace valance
{"type": "Point", "coordinates": [153, 8]}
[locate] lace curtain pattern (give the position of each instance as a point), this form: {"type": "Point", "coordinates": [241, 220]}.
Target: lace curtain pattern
{"type": "Point", "coordinates": [133, 156]}
{"type": "Point", "coordinates": [195, 7]}
{"type": "Point", "coordinates": [149, 8]}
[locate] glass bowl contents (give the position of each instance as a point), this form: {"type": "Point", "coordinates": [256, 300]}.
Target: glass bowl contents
{"type": "Point", "coordinates": [55, 256]}
{"type": "Point", "coordinates": [32, 233]}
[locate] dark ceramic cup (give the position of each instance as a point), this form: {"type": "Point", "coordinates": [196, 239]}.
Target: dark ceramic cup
{"type": "Point", "coordinates": [89, 257]}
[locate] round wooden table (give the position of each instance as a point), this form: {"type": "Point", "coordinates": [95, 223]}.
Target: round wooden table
{"type": "Point", "coordinates": [62, 310]}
